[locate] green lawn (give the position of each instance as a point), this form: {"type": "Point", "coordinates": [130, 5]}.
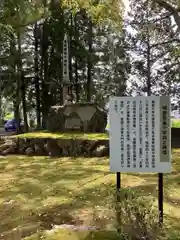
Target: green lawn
{"type": "Point", "coordinates": [39, 192]}
{"type": "Point", "coordinates": [85, 136]}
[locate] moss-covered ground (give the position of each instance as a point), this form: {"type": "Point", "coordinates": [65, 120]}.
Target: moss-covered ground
{"type": "Point", "coordinates": [68, 135]}
{"type": "Point", "coordinates": [47, 191]}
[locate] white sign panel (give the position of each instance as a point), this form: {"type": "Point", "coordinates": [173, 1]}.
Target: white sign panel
{"type": "Point", "coordinates": [140, 134]}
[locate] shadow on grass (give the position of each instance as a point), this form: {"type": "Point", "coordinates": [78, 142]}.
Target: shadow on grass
{"type": "Point", "coordinates": [103, 236]}
{"type": "Point", "coordinates": [152, 190]}
{"type": "Point", "coordinates": [55, 192]}
{"type": "Point", "coordinates": [46, 191]}
{"type": "Point", "coordinates": [78, 235]}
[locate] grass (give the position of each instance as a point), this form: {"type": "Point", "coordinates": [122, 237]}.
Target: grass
{"type": "Point", "coordinates": [76, 235]}
{"type": "Point", "coordinates": [85, 136]}
{"type": "Point", "coordinates": [39, 192]}
{"type": "Point", "coordinates": [175, 123]}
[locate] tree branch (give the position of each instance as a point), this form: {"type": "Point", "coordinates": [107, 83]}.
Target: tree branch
{"type": "Point", "coordinates": [166, 42]}
{"type": "Point", "coordinates": [171, 9]}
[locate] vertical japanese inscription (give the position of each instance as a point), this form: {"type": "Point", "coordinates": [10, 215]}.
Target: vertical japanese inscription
{"type": "Point", "coordinates": [140, 135]}
{"type": "Point", "coordinates": [134, 134]}
{"type": "Point", "coordinates": [164, 134]}
{"type": "Point", "coordinates": [65, 59]}
{"type": "Point", "coordinates": [116, 106]}
{"type": "Point", "coordinates": [128, 135]}
{"type": "Point", "coordinates": [122, 132]}
{"type": "Point", "coordinates": [146, 135]}
{"type": "Point", "coordinates": [153, 135]}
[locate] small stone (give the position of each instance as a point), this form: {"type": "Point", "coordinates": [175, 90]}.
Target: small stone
{"type": "Point", "coordinates": [39, 149]}
{"type": "Point", "coordinates": [52, 148]}
{"type": "Point", "coordinates": [101, 151]}
{"type": "Point", "coordinates": [10, 150]}
{"type": "Point", "coordinates": [29, 151]}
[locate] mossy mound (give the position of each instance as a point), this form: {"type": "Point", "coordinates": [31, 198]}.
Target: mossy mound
{"type": "Point", "coordinates": [57, 144]}
{"type": "Point", "coordinates": [62, 135]}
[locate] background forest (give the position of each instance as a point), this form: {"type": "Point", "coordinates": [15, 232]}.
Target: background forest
{"type": "Point", "coordinates": [114, 50]}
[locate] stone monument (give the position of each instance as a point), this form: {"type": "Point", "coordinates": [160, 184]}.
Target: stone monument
{"type": "Point", "coordinates": [80, 117]}
{"type": "Point", "coordinates": [67, 98]}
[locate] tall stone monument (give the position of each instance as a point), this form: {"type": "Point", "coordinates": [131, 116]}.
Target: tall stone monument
{"type": "Point", "coordinates": [81, 117]}
{"type": "Point", "coordinates": [67, 98]}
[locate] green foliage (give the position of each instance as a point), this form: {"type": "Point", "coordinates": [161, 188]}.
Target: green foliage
{"type": "Point", "coordinates": [19, 14]}
{"type": "Point", "coordinates": [175, 123]}
{"type": "Point", "coordinates": [108, 11]}
{"type": "Point", "coordinates": [137, 217]}
{"type": "Point", "coordinates": [153, 42]}
{"type": "Point", "coordinates": [9, 116]}
{"type": "Point", "coordinates": [58, 18]}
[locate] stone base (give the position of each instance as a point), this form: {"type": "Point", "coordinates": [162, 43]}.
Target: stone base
{"type": "Point", "coordinates": [82, 117]}
{"type": "Point", "coordinates": [55, 147]}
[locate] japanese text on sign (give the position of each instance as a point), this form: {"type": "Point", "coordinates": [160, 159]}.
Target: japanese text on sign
{"type": "Point", "coordinates": [140, 134]}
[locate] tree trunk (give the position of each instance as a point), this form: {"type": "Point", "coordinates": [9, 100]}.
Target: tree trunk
{"type": "Point", "coordinates": [44, 75]}
{"type": "Point", "coordinates": [22, 83]}
{"type": "Point", "coordinates": [1, 111]}
{"type": "Point", "coordinates": [89, 63]}
{"type": "Point", "coordinates": [58, 15]}
{"type": "Point", "coordinates": [171, 9]}
{"type": "Point", "coordinates": [37, 88]}
{"type": "Point", "coordinates": [17, 97]}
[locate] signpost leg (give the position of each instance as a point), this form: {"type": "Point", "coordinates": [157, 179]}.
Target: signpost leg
{"type": "Point", "coordinates": [118, 181]}
{"type": "Point", "coordinates": [160, 197]}
{"type": "Point", "coordinates": [118, 210]}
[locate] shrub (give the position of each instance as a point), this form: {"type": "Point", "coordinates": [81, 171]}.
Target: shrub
{"type": "Point", "coordinates": [137, 218]}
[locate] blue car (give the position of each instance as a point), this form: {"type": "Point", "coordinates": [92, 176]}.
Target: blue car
{"type": "Point", "coordinates": [11, 125]}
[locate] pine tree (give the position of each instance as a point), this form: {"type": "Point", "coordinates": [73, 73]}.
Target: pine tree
{"type": "Point", "coordinates": [150, 37]}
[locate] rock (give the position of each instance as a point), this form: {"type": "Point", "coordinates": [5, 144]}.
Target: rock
{"type": "Point", "coordinates": [29, 151]}
{"type": "Point", "coordinates": [10, 150]}
{"type": "Point", "coordinates": [23, 144]}
{"type": "Point", "coordinates": [57, 147]}
{"type": "Point", "coordinates": [39, 150]}
{"type": "Point", "coordinates": [94, 144]}
{"type": "Point", "coordinates": [22, 150]}
{"type": "Point", "coordinates": [8, 147]}
{"type": "Point", "coordinates": [78, 148]}
{"type": "Point", "coordinates": [101, 151]}
{"type": "Point", "coordinates": [52, 148]}
{"type": "Point", "coordinates": [81, 117]}
{"type": "Point", "coordinates": [2, 141]}
{"type": "Point", "coordinates": [39, 147]}
{"type": "Point", "coordinates": [5, 146]}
